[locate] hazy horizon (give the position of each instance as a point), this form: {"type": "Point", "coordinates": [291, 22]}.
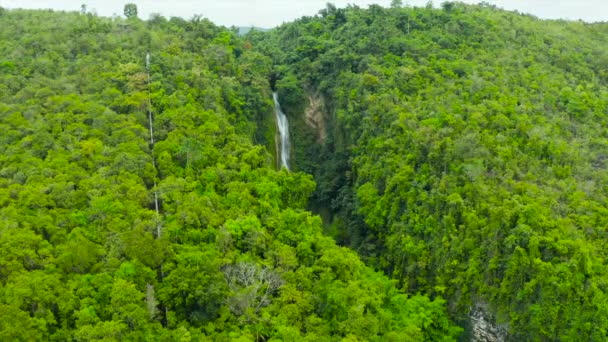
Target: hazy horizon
{"type": "Point", "coordinates": [271, 13]}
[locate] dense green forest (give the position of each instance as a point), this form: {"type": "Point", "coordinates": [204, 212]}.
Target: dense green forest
{"type": "Point", "coordinates": [465, 155]}
{"type": "Point", "coordinates": [231, 254]}
{"type": "Point", "coordinates": [454, 159]}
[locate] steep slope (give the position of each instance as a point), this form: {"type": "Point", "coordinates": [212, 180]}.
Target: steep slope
{"type": "Point", "coordinates": [230, 256]}
{"type": "Point", "coordinates": [465, 155]}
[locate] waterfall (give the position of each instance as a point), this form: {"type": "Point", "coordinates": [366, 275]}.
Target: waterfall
{"type": "Point", "coordinates": [283, 131]}
{"type": "Point", "coordinates": [151, 124]}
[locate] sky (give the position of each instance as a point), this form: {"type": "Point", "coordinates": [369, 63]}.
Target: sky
{"type": "Point", "coordinates": [270, 13]}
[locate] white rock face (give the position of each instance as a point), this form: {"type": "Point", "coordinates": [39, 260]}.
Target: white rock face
{"type": "Point", "coordinates": [483, 328]}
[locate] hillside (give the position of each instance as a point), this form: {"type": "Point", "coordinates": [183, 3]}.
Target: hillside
{"type": "Point", "coordinates": [447, 177]}
{"type": "Point", "coordinates": [115, 230]}
{"type": "Point", "coordinates": [465, 155]}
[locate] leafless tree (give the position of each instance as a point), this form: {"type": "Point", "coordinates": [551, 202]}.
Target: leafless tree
{"type": "Point", "coordinates": [151, 302]}
{"type": "Point", "coordinates": [253, 287]}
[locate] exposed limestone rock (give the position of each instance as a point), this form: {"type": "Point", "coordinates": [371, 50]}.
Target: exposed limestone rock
{"type": "Point", "coordinates": [314, 117]}
{"type": "Point", "coordinates": [483, 327]}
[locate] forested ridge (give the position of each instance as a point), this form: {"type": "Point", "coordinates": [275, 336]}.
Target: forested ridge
{"type": "Point", "coordinates": [465, 155]}
{"type": "Point", "coordinates": [457, 155]}
{"type": "Point", "coordinates": [232, 254]}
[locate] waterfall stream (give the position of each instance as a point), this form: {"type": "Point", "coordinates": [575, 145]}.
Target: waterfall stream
{"type": "Point", "coordinates": [283, 131]}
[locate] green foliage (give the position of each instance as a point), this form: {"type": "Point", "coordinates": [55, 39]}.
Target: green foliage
{"type": "Point", "coordinates": [466, 154]}
{"type": "Point", "coordinates": [130, 10]}
{"type": "Point", "coordinates": [231, 253]}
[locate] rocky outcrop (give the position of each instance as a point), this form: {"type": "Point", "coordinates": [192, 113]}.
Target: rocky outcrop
{"type": "Point", "coordinates": [483, 326]}
{"type": "Point", "coordinates": [315, 118]}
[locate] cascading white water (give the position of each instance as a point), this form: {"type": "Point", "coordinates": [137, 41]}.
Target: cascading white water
{"type": "Point", "coordinates": [283, 131]}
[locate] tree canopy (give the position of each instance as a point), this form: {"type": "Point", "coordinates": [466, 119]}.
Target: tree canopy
{"type": "Point", "coordinates": [130, 10]}
{"type": "Point", "coordinates": [449, 165]}
{"type": "Point", "coordinates": [465, 155]}
{"type": "Point", "coordinates": [230, 255]}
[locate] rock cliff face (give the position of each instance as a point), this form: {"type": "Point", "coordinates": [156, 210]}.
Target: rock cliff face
{"type": "Point", "coordinates": [484, 328]}
{"type": "Point", "coordinates": [314, 117]}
